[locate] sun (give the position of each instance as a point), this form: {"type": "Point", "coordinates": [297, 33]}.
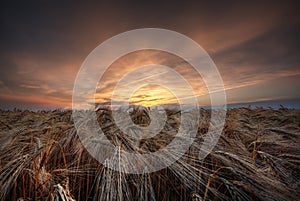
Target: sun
{"type": "Point", "coordinates": [152, 95]}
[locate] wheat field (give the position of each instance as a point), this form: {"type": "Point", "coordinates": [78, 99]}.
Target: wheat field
{"type": "Point", "coordinates": [257, 158]}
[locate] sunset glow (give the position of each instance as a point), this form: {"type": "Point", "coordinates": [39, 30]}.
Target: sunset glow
{"type": "Point", "coordinates": [152, 96]}
{"type": "Point", "coordinates": [256, 53]}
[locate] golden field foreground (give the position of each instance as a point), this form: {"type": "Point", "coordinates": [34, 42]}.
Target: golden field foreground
{"type": "Point", "coordinates": [257, 158]}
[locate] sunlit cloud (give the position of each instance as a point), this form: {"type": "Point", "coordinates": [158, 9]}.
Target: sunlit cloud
{"type": "Point", "coordinates": [252, 46]}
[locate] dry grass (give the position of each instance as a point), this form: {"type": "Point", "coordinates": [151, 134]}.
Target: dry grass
{"type": "Point", "coordinates": [256, 158]}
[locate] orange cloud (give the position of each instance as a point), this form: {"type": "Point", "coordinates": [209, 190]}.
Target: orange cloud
{"type": "Point", "coordinates": [38, 100]}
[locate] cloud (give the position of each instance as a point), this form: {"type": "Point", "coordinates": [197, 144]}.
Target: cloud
{"type": "Point", "coordinates": [43, 45]}
{"type": "Point", "coordinates": [269, 56]}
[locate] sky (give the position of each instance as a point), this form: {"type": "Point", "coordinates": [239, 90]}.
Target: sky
{"type": "Point", "coordinates": [254, 44]}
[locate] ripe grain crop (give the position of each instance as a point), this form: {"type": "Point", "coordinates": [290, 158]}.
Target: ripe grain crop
{"type": "Point", "coordinates": [257, 158]}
